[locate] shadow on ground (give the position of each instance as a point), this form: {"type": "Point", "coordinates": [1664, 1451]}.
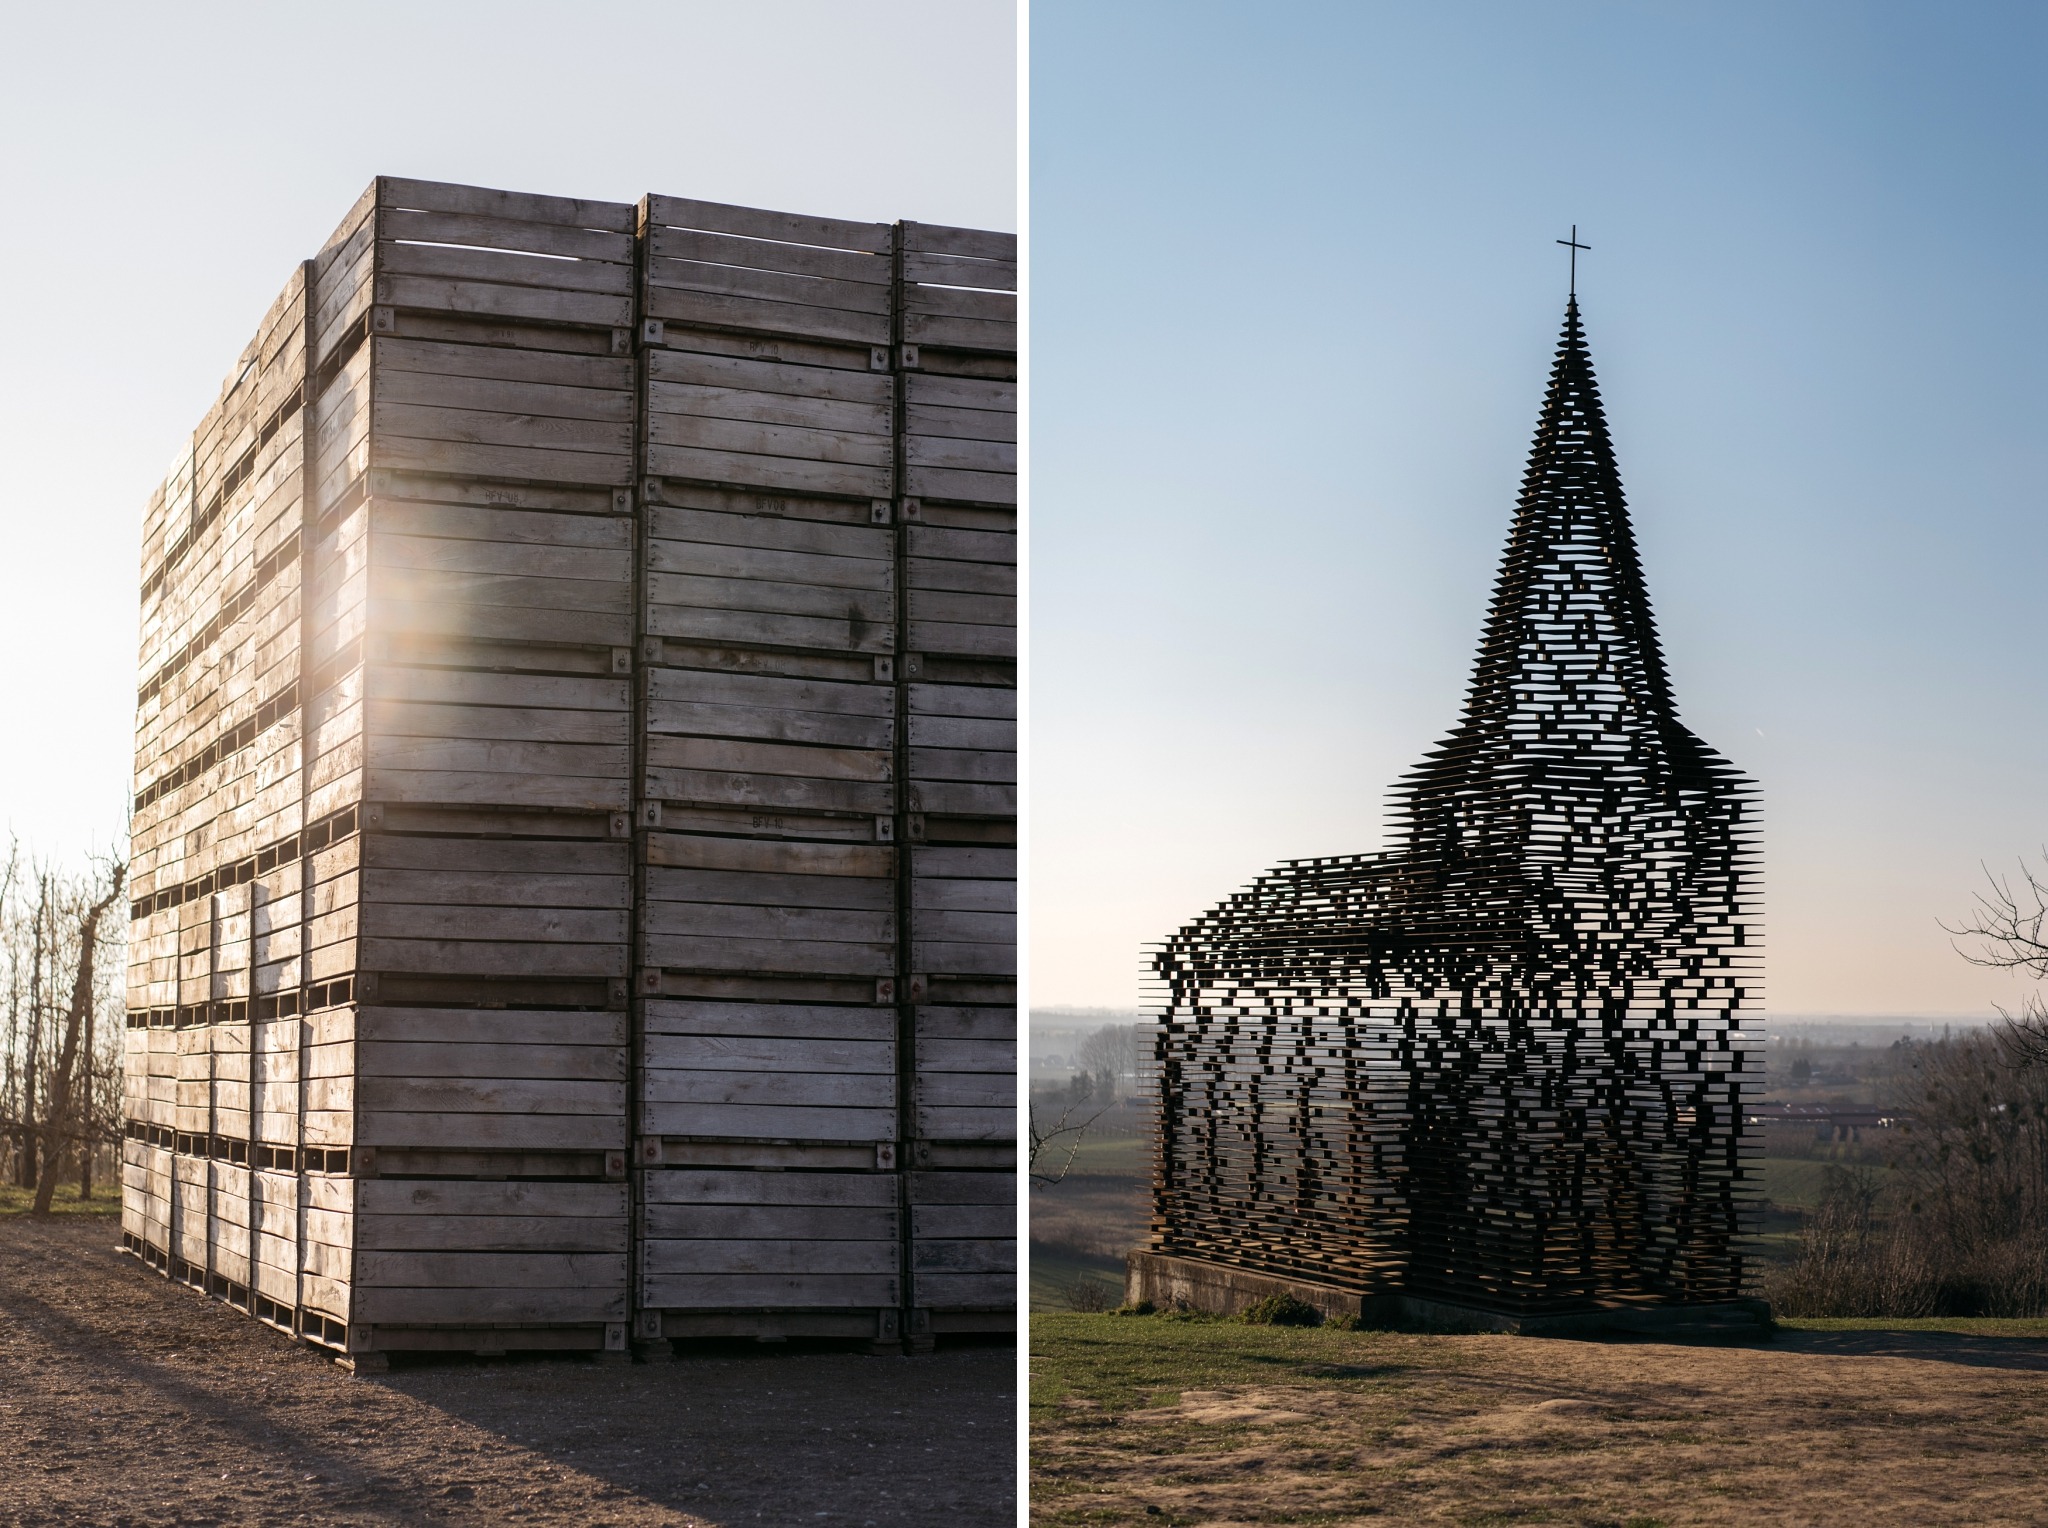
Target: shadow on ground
{"type": "Point", "coordinates": [127, 1399]}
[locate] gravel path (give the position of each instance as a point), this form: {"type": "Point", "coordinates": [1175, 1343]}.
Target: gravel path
{"type": "Point", "coordinates": [126, 1399]}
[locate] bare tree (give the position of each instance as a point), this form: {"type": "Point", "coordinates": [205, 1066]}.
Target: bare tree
{"type": "Point", "coordinates": [1061, 1139]}
{"type": "Point", "coordinates": [60, 1082]}
{"type": "Point", "coordinates": [2008, 927]}
{"type": "Point", "coordinates": [63, 1119]}
{"type": "Point", "coordinates": [1111, 1057]}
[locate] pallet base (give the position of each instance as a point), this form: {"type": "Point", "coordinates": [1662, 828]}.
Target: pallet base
{"type": "Point", "coordinates": [1186, 1283]}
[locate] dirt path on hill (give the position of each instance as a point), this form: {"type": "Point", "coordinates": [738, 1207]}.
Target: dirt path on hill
{"type": "Point", "coordinates": [128, 1400]}
{"type": "Point", "coordinates": [1818, 1428]}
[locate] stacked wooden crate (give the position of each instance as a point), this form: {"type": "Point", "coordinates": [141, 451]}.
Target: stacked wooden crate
{"type": "Point", "coordinates": [957, 361]}
{"type": "Point", "coordinates": [769, 948]}
{"type": "Point", "coordinates": [383, 941]}
{"type": "Point", "coordinates": [489, 1062]}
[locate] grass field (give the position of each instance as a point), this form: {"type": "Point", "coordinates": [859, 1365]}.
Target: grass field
{"type": "Point", "coordinates": [106, 1200]}
{"type": "Point", "coordinates": [1159, 1420]}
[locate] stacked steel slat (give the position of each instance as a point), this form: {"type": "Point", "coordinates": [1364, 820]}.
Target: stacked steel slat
{"type": "Point", "coordinates": [1503, 1065]}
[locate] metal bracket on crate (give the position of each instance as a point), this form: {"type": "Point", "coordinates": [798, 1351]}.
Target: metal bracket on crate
{"type": "Point", "coordinates": [650, 1151]}
{"type": "Point", "coordinates": [622, 660]}
{"type": "Point", "coordinates": [650, 814]}
{"type": "Point", "coordinates": [650, 490]}
{"type": "Point", "coordinates": [909, 354]}
{"type": "Point", "coordinates": [885, 830]}
{"type": "Point", "coordinates": [615, 1336]}
{"type": "Point", "coordinates": [650, 981]}
{"type": "Point", "coordinates": [913, 509]}
{"type": "Point", "coordinates": [885, 1156]}
{"type": "Point", "coordinates": [885, 669]}
{"type": "Point", "coordinates": [622, 501]}
{"type": "Point", "coordinates": [615, 1164]}
{"type": "Point", "coordinates": [647, 1325]}
{"type": "Point", "coordinates": [622, 825]}
{"type": "Point", "coordinates": [383, 320]}
{"type": "Point", "coordinates": [878, 512]}
{"type": "Point", "coordinates": [885, 989]}
{"type": "Point", "coordinates": [652, 331]}
{"type": "Point", "coordinates": [878, 358]}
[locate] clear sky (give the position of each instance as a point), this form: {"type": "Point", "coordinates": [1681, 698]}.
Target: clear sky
{"type": "Point", "coordinates": [1294, 303]}
{"type": "Point", "coordinates": [166, 166]}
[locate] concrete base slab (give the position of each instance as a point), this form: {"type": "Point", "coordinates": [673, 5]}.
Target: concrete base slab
{"type": "Point", "coordinates": [1185, 1283]}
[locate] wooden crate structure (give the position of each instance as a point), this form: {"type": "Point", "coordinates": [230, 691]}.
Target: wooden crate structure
{"type": "Point", "coordinates": [1503, 1066]}
{"type": "Point", "coordinates": [789, 966]}
{"type": "Point", "coordinates": [553, 645]}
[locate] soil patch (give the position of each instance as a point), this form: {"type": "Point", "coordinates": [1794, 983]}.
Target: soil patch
{"type": "Point", "coordinates": [128, 1400]}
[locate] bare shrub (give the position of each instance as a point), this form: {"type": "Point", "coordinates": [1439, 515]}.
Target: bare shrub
{"type": "Point", "coordinates": [1962, 1230]}
{"type": "Point", "coordinates": [1088, 1296]}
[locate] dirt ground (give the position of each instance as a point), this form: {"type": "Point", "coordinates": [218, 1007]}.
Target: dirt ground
{"type": "Point", "coordinates": [1229, 1425]}
{"type": "Point", "coordinates": [128, 1400]}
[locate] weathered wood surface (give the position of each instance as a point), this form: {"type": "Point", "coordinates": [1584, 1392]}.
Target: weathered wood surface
{"type": "Point", "coordinates": [535, 551]}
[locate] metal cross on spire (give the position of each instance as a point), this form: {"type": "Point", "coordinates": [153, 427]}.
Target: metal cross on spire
{"type": "Point", "coordinates": [1575, 246]}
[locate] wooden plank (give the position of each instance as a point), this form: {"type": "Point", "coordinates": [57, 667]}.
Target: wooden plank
{"type": "Point", "coordinates": [767, 921]}
{"type": "Point", "coordinates": [783, 955]}
{"type": "Point", "coordinates": [761, 254]}
{"type": "Point", "coordinates": [505, 233]}
{"type": "Point", "coordinates": [998, 488]}
{"type": "Point", "coordinates": [780, 792]}
{"type": "Point", "coordinates": [758, 223]}
{"type": "Point", "coordinates": [717, 310]}
{"type": "Point", "coordinates": [510, 267]}
{"type": "Point", "coordinates": [769, 534]}
{"type": "Point", "coordinates": [671, 1016]}
{"type": "Point", "coordinates": [777, 1222]}
{"type": "Point", "coordinates": [969, 243]}
{"type": "Point", "coordinates": [802, 412]}
{"type": "Point", "coordinates": [836, 297]}
{"type": "Point", "coordinates": [504, 1026]}
{"type": "Point", "coordinates": [754, 1122]}
{"type": "Point", "coordinates": [748, 374]}
{"type": "Point", "coordinates": [501, 398]}
{"type": "Point", "coordinates": [472, 1306]}
{"type": "Point", "coordinates": [775, 1090]}
{"type": "Point", "coordinates": [792, 1054]}
{"type": "Point", "coordinates": [784, 474]}
{"type": "Point", "coordinates": [692, 851]}
{"type": "Point", "coordinates": [765, 1291]}
{"type": "Point", "coordinates": [394, 191]}
{"type": "Point", "coordinates": [492, 1130]}
{"type": "Point", "coordinates": [871, 765]}
{"type": "Point", "coordinates": [742, 887]}
{"type": "Point", "coordinates": [479, 957]}
{"type": "Point", "coordinates": [838, 601]}
{"type": "Point", "coordinates": [664, 1257]}
{"type": "Point", "coordinates": [434, 294]}
{"type": "Point", "coordinates": [605, 469]}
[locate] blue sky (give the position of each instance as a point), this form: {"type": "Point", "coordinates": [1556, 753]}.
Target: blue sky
{"type": "Point", "coordinates": [1294, 301]}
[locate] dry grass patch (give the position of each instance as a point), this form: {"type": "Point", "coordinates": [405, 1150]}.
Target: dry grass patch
{"type": "Point", "coordinates": [1153, 1420]}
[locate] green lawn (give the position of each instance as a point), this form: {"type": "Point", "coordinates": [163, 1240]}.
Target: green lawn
{"type": "Point", "coordinates": [1110, 1364]}
{"type": "Point", "coordinates": [106, 1200]}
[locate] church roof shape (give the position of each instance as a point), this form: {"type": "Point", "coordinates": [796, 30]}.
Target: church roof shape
{"type": "Point", "coordinates": [1503, 1061]}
